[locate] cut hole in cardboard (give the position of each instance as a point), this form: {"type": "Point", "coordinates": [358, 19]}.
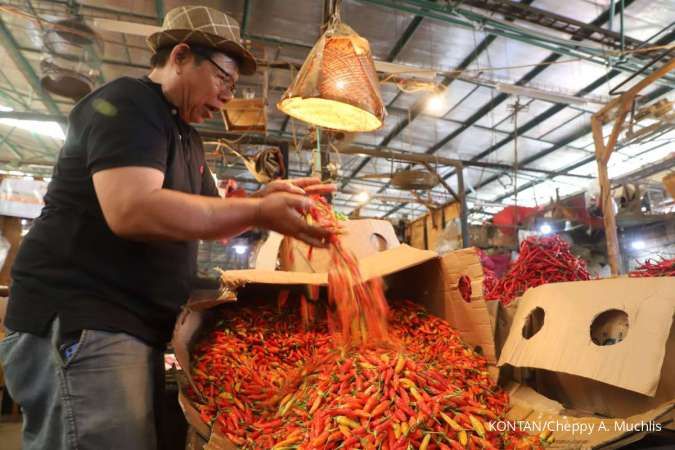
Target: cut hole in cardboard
{"type": "Point", "coordinates": [478, 349]}
{"type": "Point", "coordinates": [533, 322]}
{"type": "Point", "coordinates": [464, 287]}
{"type": "Point", "coordinates": [378, 242]}
{"type": "Point", "coordinates": [609, 327]}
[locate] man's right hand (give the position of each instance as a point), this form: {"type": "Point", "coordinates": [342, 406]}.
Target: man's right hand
{"type": "Point", "coordinates": [280, 212]}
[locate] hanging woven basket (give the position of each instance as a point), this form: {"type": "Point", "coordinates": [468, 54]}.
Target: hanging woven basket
{"type": "Point", "coordinates": [337, 86]}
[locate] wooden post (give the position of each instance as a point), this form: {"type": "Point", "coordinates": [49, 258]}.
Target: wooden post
{"type": "Point", "coordinates": [604, 151]}
{"type": "Point", "coordinates": [602, 154]}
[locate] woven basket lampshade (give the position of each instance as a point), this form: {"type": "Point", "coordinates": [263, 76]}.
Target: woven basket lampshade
{"type": "Point", "coordinates": [337, 86]}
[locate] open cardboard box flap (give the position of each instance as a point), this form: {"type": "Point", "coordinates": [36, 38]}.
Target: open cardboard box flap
{"type": "Point", "coordinates": [572, 432]}
{"type": "Point", "coordinates": [378, 264]}
{"type": "Point", "coordinates": [564, 344]}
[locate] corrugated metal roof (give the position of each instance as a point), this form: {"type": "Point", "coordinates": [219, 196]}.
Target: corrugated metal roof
{"type": "Point", "coordinates": [474, 121]}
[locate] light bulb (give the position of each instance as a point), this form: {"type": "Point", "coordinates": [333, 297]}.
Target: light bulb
{"type": "Point", "coordinates": [435, 104]}
{"type": "Point", "coordinates": [638, 245]}
{"type": "Point", "coordinates": [362, 197]}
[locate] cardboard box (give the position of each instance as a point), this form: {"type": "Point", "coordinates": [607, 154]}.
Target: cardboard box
{"type": "Point", "coordinates": [363, 237]}
{"type": "Point", "coordinates": [416, 274]}
{"type": "Point", "coordinates": [431, 280]}
{"type": "Point", "coordinates": [616, 380]}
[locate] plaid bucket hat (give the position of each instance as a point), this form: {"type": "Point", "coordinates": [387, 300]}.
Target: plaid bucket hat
{"type": "Point", "coordinates": [203, 26]}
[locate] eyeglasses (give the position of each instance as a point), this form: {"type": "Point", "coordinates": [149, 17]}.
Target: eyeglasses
{"type": "Point", "coordinates": [228, 81]}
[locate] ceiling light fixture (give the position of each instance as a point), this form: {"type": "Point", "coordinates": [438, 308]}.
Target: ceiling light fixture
{"type": "Point", "coordinates": [340, 59]}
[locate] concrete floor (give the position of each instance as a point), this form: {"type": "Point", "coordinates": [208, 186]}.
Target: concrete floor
{"type": "Point", "coordinates": [10, 435]}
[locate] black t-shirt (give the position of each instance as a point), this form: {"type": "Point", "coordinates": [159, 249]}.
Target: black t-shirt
{"type": "Point", "coordinates": [71, 264]}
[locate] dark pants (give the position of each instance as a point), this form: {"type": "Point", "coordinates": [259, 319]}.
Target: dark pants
{"type": "Point", "coordinates": [103, 394]}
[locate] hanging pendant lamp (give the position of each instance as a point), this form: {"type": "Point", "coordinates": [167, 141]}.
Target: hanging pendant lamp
{"type": "Point", "coordinates": [337, 86]}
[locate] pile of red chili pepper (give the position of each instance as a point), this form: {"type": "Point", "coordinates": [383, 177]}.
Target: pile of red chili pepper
{"type": "Point", "coordinates": [490, 278]}
{"type": "Point", "coordinates": [268, 383]}
{"type": "Point", "coordinates": [541, 260]}
{"type": "Point", "coordinates": [663, 268]}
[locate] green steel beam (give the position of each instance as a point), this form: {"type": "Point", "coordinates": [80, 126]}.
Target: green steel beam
{"type": "Point", "coordinates": [126, 47]}
{"type": "Point", "coordinates": [246, 16]}
{"type": "Point", "coordinates": [12, 88]}
{"type": "Point", "coordinates": [276, 41]}
{"type": "Point", "coordinates": [665, 40]}
{"type": "Point", "coordinates": [419, 106]}
{"type": "Point", "coordinates": [612, 9]}
{"type": "Point", "coordinates": [22, 149]}
{"type": "Point", "coordinates": [24, 66]}
{"type": "Point", "coordinates": [462, 17]}
{"type": "Point", "coordinates": [5, 140]}
{"type": "Point", "coordinates": [502, 97]}
{"type": "Point", "coordinates": [159, 8]}
{"type": "Point", "coordinates": [435, 11]}
{"type": "Point", "coordinates": [550, 112]}
{"type": "Point", "coordinates": [42, 142]}
{"type": "Point", "coordinates": [623, 36]}
{"type": "Point", "coordinates": [405, 37]}
{"type": "Point", "coordinates": [22, 95]}
{"type": "Point", "coordinates": [13, 149]}
{"type": "Point", "coordinates": [13, 101]}
{"type": "Point", "coordinates": [582, 132]}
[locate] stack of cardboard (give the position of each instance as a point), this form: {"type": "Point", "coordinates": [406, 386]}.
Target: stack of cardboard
{"type": "Point", "coordinates": [617, 394]}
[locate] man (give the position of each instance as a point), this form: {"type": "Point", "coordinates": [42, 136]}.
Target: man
{"type": "Point", "coordinates": [102, 274]}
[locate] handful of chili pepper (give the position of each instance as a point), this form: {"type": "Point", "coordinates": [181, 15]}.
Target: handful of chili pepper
{"type": "Point", "coordinates": [663, 268]}
{"type": "Point", "coordinates": [358, 308]}
{"type": "Point", "coordinates": [541, 260]}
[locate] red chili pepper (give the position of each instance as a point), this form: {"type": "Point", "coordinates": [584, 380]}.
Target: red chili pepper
{"type": "Point", "coordinates": [663, 268]}
{"type": "Point", "coordinates": [541, 260]}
